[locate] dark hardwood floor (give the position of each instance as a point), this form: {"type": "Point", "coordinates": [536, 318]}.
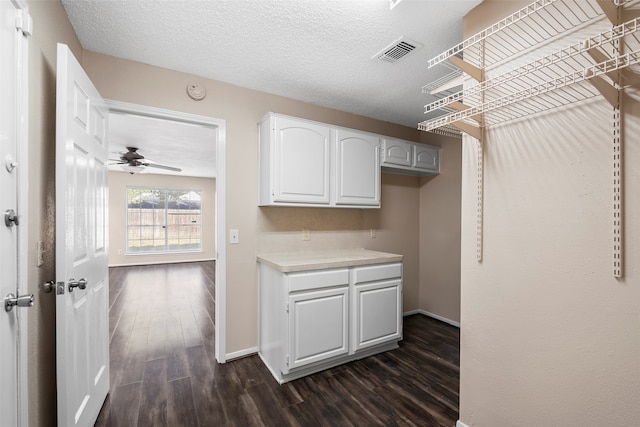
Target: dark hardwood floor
{"type": "Point", "coordinates": [164, 373]}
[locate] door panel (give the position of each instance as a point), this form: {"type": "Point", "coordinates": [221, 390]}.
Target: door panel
{"type": "Point", "coordinates": [82, 346]}
{"type": "Point", "coordinates": [426, 157]}
{"type": "Point", "coordinates": [14, 30]}
{"type": "Point", "coordinates": [318, 326]}
{"type": "Point", "coordinates": [396, 152]}
{"type": "Point", "coordinates": [357, 169]}
{"type": "Point", "coordinates": [8, 235]}
{"type": "Point", "coordinates": [301, 162]}
{"type": "Point", "coordinates": [377, 313]}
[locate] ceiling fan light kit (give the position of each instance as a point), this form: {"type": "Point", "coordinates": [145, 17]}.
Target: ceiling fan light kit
{"type": "Point", "coordinates": [132, 169]}
{"type": "Point", "coordinates": [134, 162]}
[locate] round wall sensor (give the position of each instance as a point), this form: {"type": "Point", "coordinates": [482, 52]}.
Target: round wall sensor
{"type": "Point", "coordinates": [196, 91]}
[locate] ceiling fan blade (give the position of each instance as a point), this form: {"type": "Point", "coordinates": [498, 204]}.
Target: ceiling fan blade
{"type": "Point", "coordinates": [169, 168]}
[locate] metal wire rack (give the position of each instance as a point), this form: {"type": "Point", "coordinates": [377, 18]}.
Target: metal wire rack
{"type": "Point", "coordinates": [565, 75]}
{"type": "Point", "coordinates": [583, 49]}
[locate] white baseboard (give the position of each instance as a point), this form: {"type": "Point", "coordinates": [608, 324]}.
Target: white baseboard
{"type": "Point", "coordinates": [253, 350]}
{"type": "Point", "coordinates": [242, 353]}
{"type": "Point", "coordinates": [435, 316]}
{"type": "Point", "coordinates": [460, 424]}
{"type": "Point", "coordinates": [137, 264]}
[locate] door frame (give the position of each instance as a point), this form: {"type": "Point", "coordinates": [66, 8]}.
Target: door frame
{"type": "Point", "coordinates": [22, 159]}
{"type": "Point", "coordinates": [221, 225]}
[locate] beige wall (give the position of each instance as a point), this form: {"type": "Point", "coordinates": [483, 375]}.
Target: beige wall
{"type": "Point", "coordinates": [440, 234]}
{"type": "Point", "coordinates": [50, 26]}
{"type": "Point", "coordinates": [272, 229]}
{"type": "Point", "coordinates": [118, 183]}
{"type": "Point", "coordinates": [549, 336]}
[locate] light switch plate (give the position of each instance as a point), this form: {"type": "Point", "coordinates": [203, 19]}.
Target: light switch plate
{"type": "Point", "coordinates": [234, 236]}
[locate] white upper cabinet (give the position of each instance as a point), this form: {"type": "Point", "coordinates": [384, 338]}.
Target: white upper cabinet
{"type": "Point", "coordinates": [409, 158]}
{"type": "Point", "coordinates": [426, 157]}
{"type": "Point", "coordinates": [300, 161]}
{"type": "Point", "coordinates": [396, 152]}
{"type": "Point", "coordinates": [357, 168]}
{"type": "Point", "coordinates": [306, 163]}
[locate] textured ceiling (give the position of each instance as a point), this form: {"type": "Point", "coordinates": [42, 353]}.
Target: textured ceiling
{"type": "Point", "coordinates": [318, 51]}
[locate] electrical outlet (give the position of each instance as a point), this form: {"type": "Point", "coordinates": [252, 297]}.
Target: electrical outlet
{"type": "Point", "coordinates": [120, 252]}
{"type": "Point", "coordinates": [374, 233]}
{"type": "Point", "coordinates": [234, 236]}
{"type": "Point", "coordinates": [306, 234]}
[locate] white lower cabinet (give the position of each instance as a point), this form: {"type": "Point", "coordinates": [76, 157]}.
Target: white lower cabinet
{"type": "Point", "coordinates": [376, 313]}
{"type": "Point", "coordinates": [313, 320]}
{"type": "Point", "coordinates": [311, 340]}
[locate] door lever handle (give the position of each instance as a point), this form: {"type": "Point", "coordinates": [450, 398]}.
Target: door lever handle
{"type": "Point", "coordinates": [11, 301]}
{"type": "Point", "coordinates": [82, 284]}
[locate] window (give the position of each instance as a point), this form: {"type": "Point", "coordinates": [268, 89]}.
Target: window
{"type": "Point", "coordinates": [161, 220]}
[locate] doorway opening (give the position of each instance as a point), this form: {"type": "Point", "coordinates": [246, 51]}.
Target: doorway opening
{"type": "Point", "coordinates": [168, 148]}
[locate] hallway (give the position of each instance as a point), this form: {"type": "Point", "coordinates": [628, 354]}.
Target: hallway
{"type": "Point", "coordinates": [163, 370]}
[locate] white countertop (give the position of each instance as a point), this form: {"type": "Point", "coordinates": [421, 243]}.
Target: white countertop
{"type": "Point", "coordinates": [287, 262]}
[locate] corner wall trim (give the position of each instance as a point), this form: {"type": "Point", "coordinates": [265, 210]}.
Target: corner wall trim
{"type": "Point", "coordinates": [460, 424]}
{"type": "Point", "coordinates": [435, 316]}
{"type": "Point", "coordinates": [241, 353]}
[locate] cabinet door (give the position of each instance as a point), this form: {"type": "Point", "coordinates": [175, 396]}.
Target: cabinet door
{"type": "Point", "coordinates": [357, 169]}
{"type": "Point", "coordinates": [301, 162]}
{"type": "Point", "coordinates": [318, 326]}
{"type": "Point", "coordinates": [377, 313]}
{"type": "Point", "coordinates": [426, 157]}
{"type": "Point", "coordinates": [396, 152]}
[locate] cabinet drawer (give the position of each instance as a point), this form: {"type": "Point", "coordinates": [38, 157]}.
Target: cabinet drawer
{"type": "Point", "coordinates": [376, 272]}
{"type": "Point", "coordinates": [317, 279]}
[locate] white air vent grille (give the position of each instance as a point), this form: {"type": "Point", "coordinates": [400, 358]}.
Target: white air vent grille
{"type": "Point", "coordinates": [397, 50]}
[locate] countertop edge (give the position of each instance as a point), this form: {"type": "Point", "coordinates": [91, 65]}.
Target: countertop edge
{"type": "Point", "coordinates": [319, 264]}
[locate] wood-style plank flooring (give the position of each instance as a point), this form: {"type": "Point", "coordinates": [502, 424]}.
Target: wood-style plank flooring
{"type": "Point", "coordinates": [164, 373]}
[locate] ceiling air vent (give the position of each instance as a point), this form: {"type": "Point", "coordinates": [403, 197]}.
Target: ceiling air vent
{"type": "Point", "coordinates": [397, 50]}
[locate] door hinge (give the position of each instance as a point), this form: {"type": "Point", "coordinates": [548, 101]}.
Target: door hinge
{"type": "Point", "coordinates": [287, 360]}
{"type": "Point", "coordinates": [287, 307]}
{"type": "Point", "coordinates": [24, 23]}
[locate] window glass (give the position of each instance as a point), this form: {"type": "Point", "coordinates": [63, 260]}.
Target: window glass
{"type": "Point", "coordinates": [162, 220]}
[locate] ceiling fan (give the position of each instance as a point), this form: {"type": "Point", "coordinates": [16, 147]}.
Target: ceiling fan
{"type": "Point", "coordinates": [133, 162]}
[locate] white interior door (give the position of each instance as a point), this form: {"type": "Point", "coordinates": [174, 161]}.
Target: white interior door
{"type": "Point", "coordinates": [13, 140]}
{"type": "Point", "coordinates": [82, 276]}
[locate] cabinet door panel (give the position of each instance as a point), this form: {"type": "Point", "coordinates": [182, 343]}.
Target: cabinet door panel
{"type": "Point", "coordinates": [357, 169]}
{"type": "Point", "coordinates": [301, 162]}
{"type": "Point", "coordinates": [318, 326]}
{"type": "Point", "coordinates": [426, 157]}
{"type": "Point", "coordinates": [396, 152]}
{"type": "Point", "coordinates": [377, 313]}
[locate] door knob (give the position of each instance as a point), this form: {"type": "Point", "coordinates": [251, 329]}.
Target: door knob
{"type": "Point", "coordinates": [82, 284]}
{"type": "Point", "coordinates": [11, 301]}
{"type": "Point", "coordinates": [49, 286]}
